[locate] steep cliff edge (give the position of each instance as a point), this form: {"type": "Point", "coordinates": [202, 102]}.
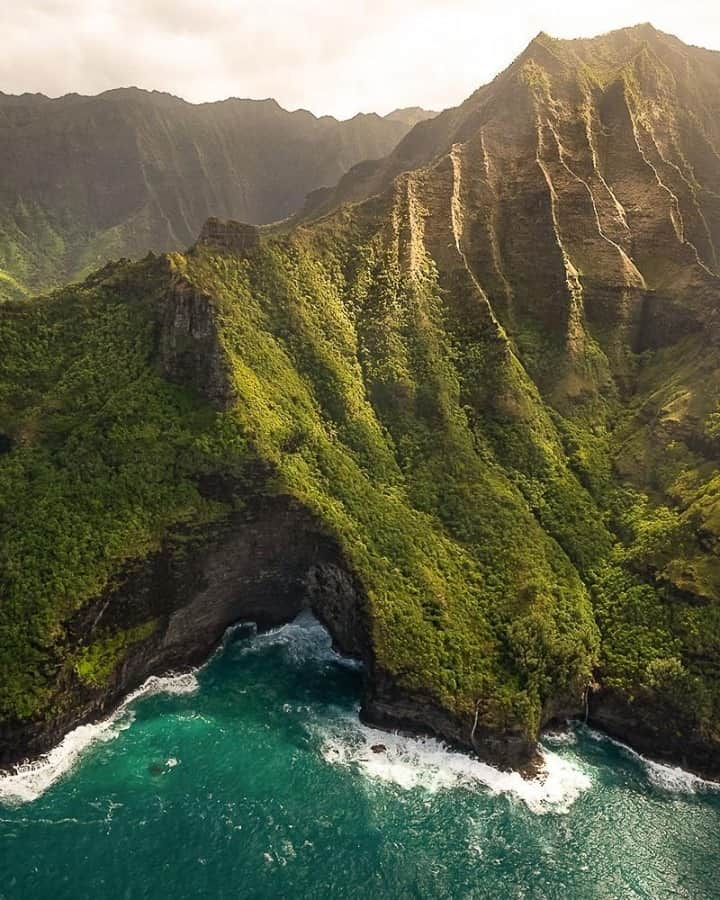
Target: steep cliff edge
{"type": "Point", "coordinates": [490, 392]}
{"type": "Point", "coordinates": [263, 564]}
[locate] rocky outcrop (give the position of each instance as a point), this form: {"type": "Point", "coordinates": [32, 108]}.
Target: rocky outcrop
{"type": "Point", "coordinates": [643, 725]}
{"type": "Point", "coordinates": [188, 348]}
{"type": "Point", "coordinates": [228, 235]}
{"type": "Point", "coordinates": [264, 566]}
{"type": "Point", "coordinates": [338, 600]}
{"type": "Point", "coordinates": [393, 708]}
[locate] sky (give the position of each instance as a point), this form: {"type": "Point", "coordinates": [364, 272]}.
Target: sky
{"type": "Point", "coordinates": [336, 58]}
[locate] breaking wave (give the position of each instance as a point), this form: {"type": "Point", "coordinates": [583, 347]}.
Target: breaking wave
{"type": "Point", "coordinates": [668, 778]}
{"type": "Point", "coordinates": [28, 781]}
{"type": "Point", "coordinates": [430, 765]}
{"type": "Point", "coordinates": [380, 757]}
{"type": "Point", "coordinates": [301, 640]}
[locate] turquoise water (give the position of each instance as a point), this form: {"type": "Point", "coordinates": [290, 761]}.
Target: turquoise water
{"type": "Point", "coordinates": [254, 779]}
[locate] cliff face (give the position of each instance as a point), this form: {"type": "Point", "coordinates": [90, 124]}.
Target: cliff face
{"type": "Point", "coordinates": [490, 394]}
{"type": "Point", "coordinates": [173, 607]}
{"type": "Point", "coordinates": [87, 179]}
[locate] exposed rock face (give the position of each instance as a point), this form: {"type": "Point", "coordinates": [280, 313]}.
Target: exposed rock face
{"type": "Point", "coordinates": [392, 708]}
{"type": "Point", "coordinates": [647, 732]}
{"type": "Point", "coordinates": [608, 145]}
{"type": "Point", "coordinates": [188, 348]}
{"type": "Point", "coordinates": [553, 188]}
{"type": "Point", "coordinates": [225, 234]}
{"type": "Point", "coordinates": [338, 600]}
{"type": "Point", "coordinates": [265, 566]}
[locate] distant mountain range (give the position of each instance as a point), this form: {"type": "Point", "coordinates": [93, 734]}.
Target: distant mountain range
{"type": "Point", "coordinates": [87, 179]}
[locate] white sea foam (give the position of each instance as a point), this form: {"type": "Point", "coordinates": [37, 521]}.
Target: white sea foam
{"type": "Point", "coordinates": [430, 765]}
{"type": "Point", "coordinates": [560, 738]}
{"type": "Point", "coordinates": [674, 779]}
{"type": "Point", "coordinates": [301, 640]}
{"type": "Point", "coordinates": [29, 780]}
{"type": "Point", "coordinates": [668, 778]}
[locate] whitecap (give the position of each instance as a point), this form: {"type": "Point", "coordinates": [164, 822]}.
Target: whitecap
{"type": "Point", "coordinates": [428, 764]}
{"type": "Point", "coordinates": [303, 640]}
{"type": "Point", "coordinates": [669, 778]}
{"type": "Point", "coordinates": [560, 738]}
{"type": "Point", "coordinates": [26, 782]}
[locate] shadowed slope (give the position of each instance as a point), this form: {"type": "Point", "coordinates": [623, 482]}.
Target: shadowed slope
{"type": "Point", "coordinates": [86, 179]}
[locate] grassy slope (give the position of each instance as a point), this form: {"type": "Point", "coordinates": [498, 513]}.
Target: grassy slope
{"type": "Point", "coordinates": [472, 601]}
{"type": "Point", "coordinates": [344, 383]}
{"type": "Point", "coordinates": [104, 456]}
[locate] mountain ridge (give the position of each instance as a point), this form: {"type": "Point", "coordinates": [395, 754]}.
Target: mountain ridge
{"type": "Point", "coordinates": [490, 391]}
{"type": "Point", "coordinates": [419, 147]}
{"type": "Point", "coordinates": [84, 179]}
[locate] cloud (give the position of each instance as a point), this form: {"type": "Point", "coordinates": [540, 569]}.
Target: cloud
{"type": "Point", "coordinates": [331, 57]}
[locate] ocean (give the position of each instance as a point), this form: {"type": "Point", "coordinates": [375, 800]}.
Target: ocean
{"type": "Point", "coordinates": [254, 778]}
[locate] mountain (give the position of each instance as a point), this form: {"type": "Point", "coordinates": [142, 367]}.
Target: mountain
{"type": "Point", "coordinates": [585, 68]}
{"type": "Point", "coordinates": [410, 115]}
{"type": "Point", "coordinates": [472, 420]}
{"type": "Point", "coordinates": [86, 179]}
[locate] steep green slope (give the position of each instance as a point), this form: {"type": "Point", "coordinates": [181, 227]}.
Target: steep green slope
{"type": "Point", "coordinates": [405, 424]}
{"type": "Point", "coordinates": [87, 179]}
{"type": "Point", "coordinates": [492, 389]}
{"type": "Point", "coordinates": [471, 601]}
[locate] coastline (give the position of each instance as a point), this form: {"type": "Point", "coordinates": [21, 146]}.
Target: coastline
{"type": "Point", "coordinates": [31, 776]}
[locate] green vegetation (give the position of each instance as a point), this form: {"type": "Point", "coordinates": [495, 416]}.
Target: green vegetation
{"type": "Point", "coordinates": [486, 529]}
{"type": "Point", "coordinates": [471, 600]}
{"type": "Point", "coordinates": [10, 289]}
{"type": "Point", "coordinates": [104, 457]}
{"type": "Point", "coordinates": [130, 171]}
{"type": "Point", "coordinates": [95, 664]}
{"type": "Point", "coordinates": [446, 377]}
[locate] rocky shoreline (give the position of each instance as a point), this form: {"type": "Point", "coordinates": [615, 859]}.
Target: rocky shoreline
{"type": "Point", "coordinates": [267, 566]}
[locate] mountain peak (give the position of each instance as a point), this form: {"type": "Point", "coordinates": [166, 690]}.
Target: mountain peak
{"type": "Point", "coordinates": [410, 115]}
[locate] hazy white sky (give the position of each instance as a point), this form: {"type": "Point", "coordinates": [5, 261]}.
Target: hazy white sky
{"type": "Point", "coordinates": [329, 57]}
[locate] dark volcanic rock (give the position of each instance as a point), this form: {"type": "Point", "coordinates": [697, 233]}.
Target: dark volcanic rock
{"type": "Point", "coordinates": [339, 603]}
{"type": "Point", "coordinates": [396, 709]}
{"type": "Point", "coordinates": [253, 568]}
{"type": "Point", "coordinates": [644, 726]}
{"type": "Point", "coordinates": [188, 346]}
{"type": "Point", "coordinates": [226, 234]}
